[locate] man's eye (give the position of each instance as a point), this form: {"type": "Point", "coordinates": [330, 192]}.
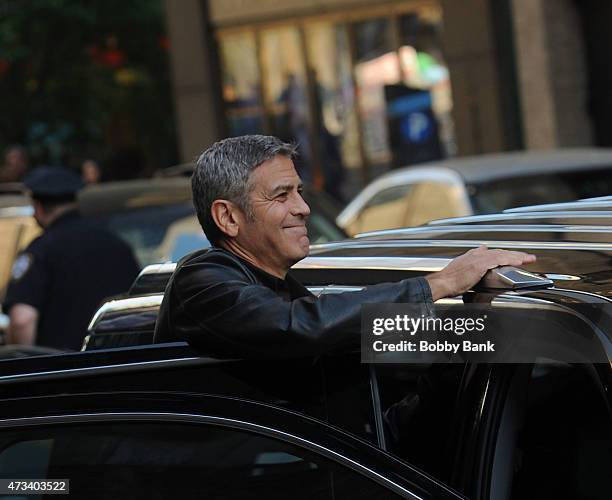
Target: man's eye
{"type": "Point", "coordinates": [281, 195]}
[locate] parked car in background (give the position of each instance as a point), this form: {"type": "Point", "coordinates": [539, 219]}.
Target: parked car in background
{"type": "Point", "coordinates": [157, 219]}
{"type": "Point", "coordinates": [17, 229]}
{"type": "Point", "coordinates": [154, 216]}
{"type": "Point", "coordinates": [276, 428]}
{"type": "Point", "coordinates": [585, 212]}
{"type": "Point", "coordinates": [477, 185]}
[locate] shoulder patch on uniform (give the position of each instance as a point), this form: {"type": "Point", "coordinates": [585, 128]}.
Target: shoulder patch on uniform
{"type": "Point", "coordinates": [21, 266]}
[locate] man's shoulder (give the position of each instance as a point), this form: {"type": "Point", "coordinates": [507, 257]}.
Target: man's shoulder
{"type": "Point", "coordinates": [212, 264]}
{"type": "Point", "coordinates": [211, 255]}
{"type": "Point", "coordinates": [38, 244]}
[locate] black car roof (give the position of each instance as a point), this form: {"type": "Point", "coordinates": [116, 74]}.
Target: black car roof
{"type": "Point", "coordinates": [501, 231]}
{"type": "Point", "coordinates": [601, 204]}
{"type": "Point", "coordinates": [568, 257]}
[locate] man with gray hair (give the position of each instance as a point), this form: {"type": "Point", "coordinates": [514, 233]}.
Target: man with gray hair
{"type": "Point", "coordinates": [237, 298]}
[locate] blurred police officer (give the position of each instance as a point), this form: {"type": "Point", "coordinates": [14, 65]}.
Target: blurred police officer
{"type": "Point", "coordinates": [60, 279]}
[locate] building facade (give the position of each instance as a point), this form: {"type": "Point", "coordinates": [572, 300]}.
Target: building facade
{"type": "Point", "coordinates": [364, 86]}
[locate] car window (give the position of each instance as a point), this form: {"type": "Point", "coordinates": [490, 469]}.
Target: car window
{"type": "Point", "coordinates": [411, 205]}
{"type": "Point", "coordinates": [167, 233]}
{"type": "Point", "coordinates": [321, 230]}
{"type": "Point", "coordinates": [418, 408]}
{"type": "Point", "coordinates": [385, 210]}
{"type": "Point", "coordinates": [538, 189]}
{"type": "Point", "coordinates": [348, 395]}
{"type": "Point", "coordinates": [431, 200]}
{"type": "Point", "coordinates": [147, 460]}
{"type": "Point", "coordinates": [555, 437]}
{"type": "Point", "coordinates": [182, 236]}
{"type": "Point", "coordinates": [144, 229]}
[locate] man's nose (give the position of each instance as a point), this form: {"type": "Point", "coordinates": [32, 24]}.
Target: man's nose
{"type": "Point", "coordinates": [300, 207]}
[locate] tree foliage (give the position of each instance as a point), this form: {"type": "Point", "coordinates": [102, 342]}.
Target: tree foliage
{"type": "Point", "coordinates": [85, 78]}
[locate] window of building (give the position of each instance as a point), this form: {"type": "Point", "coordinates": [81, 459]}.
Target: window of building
{"type": "Point", "coordinates": [334, 104]}
{"type": "Point", "coordinates": [359, 92]}
{"type": "Point", "coordinates": [241, 84]}
{"type": "Point", "coordinates": [286, 90]}
{"type": "Point", "coordinates": [376, 65]}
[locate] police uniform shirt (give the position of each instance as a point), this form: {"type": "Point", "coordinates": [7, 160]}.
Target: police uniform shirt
{"type": "Point", "coordinates": [65, 273]}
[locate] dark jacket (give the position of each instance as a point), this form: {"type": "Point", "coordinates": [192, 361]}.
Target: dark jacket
{"type": "Point", "coordinates": [65, 274]}
{"type": "Point", "coordinates": [226, 307]}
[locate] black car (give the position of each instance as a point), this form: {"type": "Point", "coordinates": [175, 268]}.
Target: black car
{"type": "Point", "coordinates": [126, 418]}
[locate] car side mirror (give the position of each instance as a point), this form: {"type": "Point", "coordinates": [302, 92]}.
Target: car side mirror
{"type": "Point", "coordinates": [511, 278]}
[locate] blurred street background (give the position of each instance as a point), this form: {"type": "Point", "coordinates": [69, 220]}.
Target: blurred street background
{"type": "Point", "coordinates": [404, 111]}
{"type": "Point", "coordinates": [128, 94]}
{"type": "Point", "coordinates": [362, 86]}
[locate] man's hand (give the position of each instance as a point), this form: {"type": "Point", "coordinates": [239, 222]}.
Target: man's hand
{"type": "Point", "coordinates": [463, 272]}
{"type": "Point", "coordinates": [22, 326]}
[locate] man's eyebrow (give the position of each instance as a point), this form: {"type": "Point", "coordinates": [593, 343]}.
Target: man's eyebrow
{"type": "Point", "coordinates": [285, 187]}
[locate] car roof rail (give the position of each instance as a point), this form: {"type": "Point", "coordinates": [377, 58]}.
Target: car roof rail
{"type": "Point", "coordinates": [595, 204]}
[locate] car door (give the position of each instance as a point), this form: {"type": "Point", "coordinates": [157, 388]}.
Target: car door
{"type": "Point", "coordinates": [539, 429]}
{"type": "Point", "coordinates": [155, 445]}
{"type": "Point", "coordinates": [542, 428]}
{"type": "Point", "coordinates": [543, 431]}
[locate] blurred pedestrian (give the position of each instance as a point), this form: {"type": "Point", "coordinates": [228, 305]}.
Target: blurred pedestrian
{"type": "Point", "coordinates": [90, 172]}
{"type": "Point", "coordinates": [15, 164]}
{"type": "Point", "coordinates": [60, 279]}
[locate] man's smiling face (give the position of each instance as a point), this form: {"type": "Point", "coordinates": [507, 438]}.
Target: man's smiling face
{"type": "Point", "coordinates": [274, 232]}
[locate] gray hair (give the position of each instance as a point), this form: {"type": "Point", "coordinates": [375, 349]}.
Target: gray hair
{"type": "Point", "coordinates": [223, 172]}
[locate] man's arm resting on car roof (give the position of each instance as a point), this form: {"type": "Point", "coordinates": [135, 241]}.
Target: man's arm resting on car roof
{"type": "Point", "coordinates": [23, 323]}
{"type": "Point", "coordinates": [230, 316]}
{"type": "Point", "coordinates": [218, 309]}
{"type": "Point", "coordinates": [463, 272]}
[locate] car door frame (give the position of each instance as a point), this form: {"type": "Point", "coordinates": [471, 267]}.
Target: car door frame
{"type": "Point", "coordinates": [262, 419]}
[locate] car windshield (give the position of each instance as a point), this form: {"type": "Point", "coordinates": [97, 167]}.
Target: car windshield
{"type": "Point", "coordinates": [499, 195]}
{"type": "Point", "coordinates": [144, 229]}
{"type": "Point", "coordinates": [167, 233]}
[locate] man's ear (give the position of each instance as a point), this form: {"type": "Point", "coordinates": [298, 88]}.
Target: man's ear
{"type": "Point", "coordinates": [40, 213]}
{"type": "Point", "coordinates": [225, 215]}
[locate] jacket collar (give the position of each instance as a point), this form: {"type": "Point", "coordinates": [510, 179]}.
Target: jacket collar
{"type": "Point", "coordinates": [289, 285]}
{"type": "Point", "coordinates": [63, 218]}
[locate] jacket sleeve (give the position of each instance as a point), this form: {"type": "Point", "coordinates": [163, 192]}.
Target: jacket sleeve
{"type": "Point", "coordinates": [234, 317]}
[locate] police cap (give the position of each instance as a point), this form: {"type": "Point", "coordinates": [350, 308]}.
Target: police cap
{"type": "Point", "coordinates": [53, 183]}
